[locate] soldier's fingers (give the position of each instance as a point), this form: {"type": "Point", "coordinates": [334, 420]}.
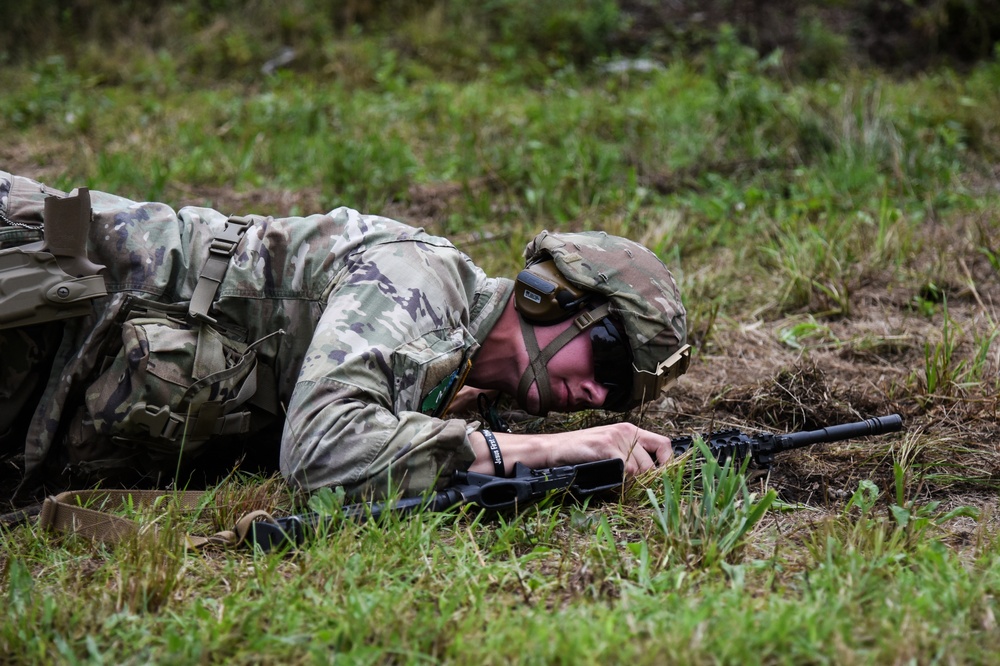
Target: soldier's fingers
{"type": "Point", "coordinates": [638, 460]}
{"type": "Point", "coordinates": [658, 446]}
{"type": "Point", "coordinates": [664, 451]}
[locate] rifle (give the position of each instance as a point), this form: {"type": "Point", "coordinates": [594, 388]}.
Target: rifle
{"type": "Point", "coordinates": [583, 480]}
{"type": "Point", "coordinates": [488, 492]}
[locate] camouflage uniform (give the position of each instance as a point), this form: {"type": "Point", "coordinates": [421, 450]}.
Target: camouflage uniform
{"type": "Point", "coordinates": [380, 321]}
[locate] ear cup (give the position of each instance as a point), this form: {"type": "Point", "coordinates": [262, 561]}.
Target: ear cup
{"type": "Point", "coordinates": [543, 296]}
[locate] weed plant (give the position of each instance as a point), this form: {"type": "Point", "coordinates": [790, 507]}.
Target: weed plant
{"type": "Point", "coordinates": [706, 519]}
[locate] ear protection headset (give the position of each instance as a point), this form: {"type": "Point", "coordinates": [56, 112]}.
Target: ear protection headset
{"type": "Point", "coordinates": [543, 296]}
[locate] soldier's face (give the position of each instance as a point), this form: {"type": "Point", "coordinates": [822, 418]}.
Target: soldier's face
{"type": "Point", "coordinates": [571, 373]}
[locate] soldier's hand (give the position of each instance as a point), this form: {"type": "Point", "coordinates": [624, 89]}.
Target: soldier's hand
{"type": "Point", "coordinates": [640, 449]}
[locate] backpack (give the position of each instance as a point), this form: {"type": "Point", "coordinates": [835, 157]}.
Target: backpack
{"type": "Point", "coordinates": [166, 379]}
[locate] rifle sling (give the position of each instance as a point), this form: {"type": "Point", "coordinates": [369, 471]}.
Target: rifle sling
{"type": "Point", "coordinates": [86, 513]}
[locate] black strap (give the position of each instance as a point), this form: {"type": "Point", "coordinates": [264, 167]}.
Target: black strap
{"type": "Point", "coordinates": [495, 455]}
{"type": "Point", "coordinates": [488, 412]}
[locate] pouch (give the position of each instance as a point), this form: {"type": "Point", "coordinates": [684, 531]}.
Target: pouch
{"type": "Point", "coordinates": [171, 387]}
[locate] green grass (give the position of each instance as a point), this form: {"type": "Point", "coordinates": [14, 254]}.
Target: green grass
{"type": "Point", "coordinates": [555, 584]}
{"type": "Point", "coordinates": [849, 220]}
{"type": "Point", "coordinates": [830, 173]}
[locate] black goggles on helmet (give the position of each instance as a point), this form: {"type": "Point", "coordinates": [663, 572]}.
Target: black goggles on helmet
{"type": "Point", "coordinates": [612, 363]}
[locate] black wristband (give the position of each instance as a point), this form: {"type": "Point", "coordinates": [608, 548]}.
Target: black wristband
{"type": "Point", "coordinates": [495, 455]}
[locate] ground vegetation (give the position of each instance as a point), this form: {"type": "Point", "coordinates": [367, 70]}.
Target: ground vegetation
{"type": "Point", "coordinates": [824, 179]}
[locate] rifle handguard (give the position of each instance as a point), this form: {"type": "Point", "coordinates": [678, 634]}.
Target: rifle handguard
{"type": "Point", "coordinates": [736, 445]}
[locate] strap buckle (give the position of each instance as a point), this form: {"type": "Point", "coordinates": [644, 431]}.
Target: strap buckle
{"type": "Point", "coordinates": [162, 423]}
{"type": "Point", "coordinates": [225, 242]}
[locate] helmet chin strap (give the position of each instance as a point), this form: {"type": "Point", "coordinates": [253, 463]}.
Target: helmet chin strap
{"type": "Point", "coordinates": [538, 359]}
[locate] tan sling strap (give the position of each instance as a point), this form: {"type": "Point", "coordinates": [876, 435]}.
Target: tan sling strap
{"type": "Point", "coordinates": [214, 270]}
{"type": "Point", "coordinates": [86, 513]}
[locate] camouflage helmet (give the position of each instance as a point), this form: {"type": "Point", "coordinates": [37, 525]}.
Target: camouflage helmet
{"type": "Point", "coordinates": [639, 292]}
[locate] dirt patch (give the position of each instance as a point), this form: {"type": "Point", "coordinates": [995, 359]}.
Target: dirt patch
{"type": "Point", "coordinates": [278, 203]}
{"type": "Point", "coordinates": [872, 363]}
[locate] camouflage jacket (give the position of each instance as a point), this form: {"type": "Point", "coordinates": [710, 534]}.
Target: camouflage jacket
{"type": "Point", "coordinates": [381, 322]}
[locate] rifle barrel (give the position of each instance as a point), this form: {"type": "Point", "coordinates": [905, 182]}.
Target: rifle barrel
{"type": "Point", "coordinates": [879, 425]}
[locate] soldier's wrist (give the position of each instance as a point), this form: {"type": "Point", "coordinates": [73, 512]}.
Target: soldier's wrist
{"type": "Point", "coordinates": [496, 456]}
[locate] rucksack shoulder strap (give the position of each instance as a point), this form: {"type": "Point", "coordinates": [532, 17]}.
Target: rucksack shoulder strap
{"type": "Point", "coordinates": [222, 248]}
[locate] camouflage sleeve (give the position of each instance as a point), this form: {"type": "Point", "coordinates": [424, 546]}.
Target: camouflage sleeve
{"type": "Point", "coordinates": [396, 323]}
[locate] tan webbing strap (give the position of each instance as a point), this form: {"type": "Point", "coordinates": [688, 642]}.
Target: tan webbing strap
{"type": "Point", "coordinates": [222, 248]}
{"type": "Point", "coordinates": [86, 513]}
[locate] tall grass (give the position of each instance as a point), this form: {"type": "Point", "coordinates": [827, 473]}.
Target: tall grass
{"type": "Point", "coordinates": [705, 519]}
